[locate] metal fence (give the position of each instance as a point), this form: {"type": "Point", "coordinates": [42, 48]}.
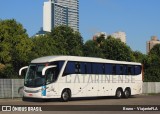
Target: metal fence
{"type": "Point", "coordinates": [151, 87]}
{"type": "Point", "coordinates": [13, 88]}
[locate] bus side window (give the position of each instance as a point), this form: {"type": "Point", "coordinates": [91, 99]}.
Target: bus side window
{"type": "Point", "coordinates": [77, 68]}
{"type": "Point", "coordinates": [94, 68]}
{"type": "Point", "coordinates": [50, 75]}
{"type": "Point", "coordinates": [125, 70]}
{"type": "Point", "coordinates": [70, 68]}
{"type": "Point", "coordinates": [114, 69]}
{"type": "Point", "coordinates": [97, 68]}
{"type": "Point", "coordinates": [59, 65]}
{"type": "Point", "coordinates": [119, 69]}
{"type": "Point", "coordinates": [100, 68]}
{"type": "Point", "coordinates": [132, 70]}
{"type": "Point", "coordinates": [82, 68]}
{"type": "Point", "coordinates": [88, 68]}
{"type": "Point", "coordinates": [108, 69]}
{"type": "Point", "coordinates": [137, 70]}
{"type": "Point", "coordinates": [129, 70]}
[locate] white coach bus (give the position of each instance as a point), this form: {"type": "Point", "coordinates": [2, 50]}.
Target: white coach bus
{"type": "Point", "coordinates": [67, 77]}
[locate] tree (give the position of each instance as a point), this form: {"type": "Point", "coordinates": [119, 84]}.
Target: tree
{"type": "Point", "coordinates": [68, 41]}
{"type": "Point", "coordinates": [139, 57]}
{"type": "Point", "coordinates": [91, 49]}
{"type": "Point", "coordinates": [100, 40]}
{"type": "Point", "coordinates": [152, 66]}
{"type": "Point", "coordinates": [154, 56]}
{"type": "Point", "coordinates": [116, 50]}
{"type": "Point", "coordinates": [14, 44]}
{"type": "Point", "coordinates": [155, 50]}
{"type": "Point", "coordinates": [152, 74]}
{"type": "Point", "coordinates": [43, 46]}
{"type": "Point", "coordinates": [8, 72]}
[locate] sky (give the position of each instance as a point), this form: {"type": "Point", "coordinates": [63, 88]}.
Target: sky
{"type": "Point", "coordinates": [140, 19]}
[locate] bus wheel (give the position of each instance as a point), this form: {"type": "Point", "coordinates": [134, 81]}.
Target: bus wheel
{"type": "Point", "coordinates": [24, 98]}
{"type": "Point", "coordinates": [127, 93]}
{"type": "Point", "coordinates": [65, 96]}
{"type": "Point", "coordinates": [118, 93]}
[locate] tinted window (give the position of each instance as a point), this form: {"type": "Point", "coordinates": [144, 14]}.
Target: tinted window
{"type": "Point", "coordinates": [137, 70]}
{"type": "Point", "coordinates": [108, 69]}
{"type": "Point", "coordinates": [83, 68]}
{"type": "Point", "coordinates": [51, 75]}
{"type": "Point", "coordinates": [97, 68]}
{"type": "Point", "coordinates": [119, 69]}
{"type": "Point", "coordinates": [114, 69]}
{"type": "Point", "coordinates": [125, 70]}
{"type": "Point", "coordinates": [88, 68]}
{"type": "Point", "coordinates": [130, 70]}
{"type": "Point", "coordinates": [70, 68]}
{"type": "Point", "coordinates": [100, 68]}
{"type": "Point", "coordinates": [59, 65]}
{"type": "Point", "coordinates": [77, 68]}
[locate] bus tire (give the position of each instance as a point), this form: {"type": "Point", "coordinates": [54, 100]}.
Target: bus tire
{"type": "Point", "coordinates": [65, 96]}
{"type": "Point", "coordinates": [127, 93]}
{"type": "Point", "coordinates": [119, 93]}
{"type": "Point", "coordinates": [24, 98]}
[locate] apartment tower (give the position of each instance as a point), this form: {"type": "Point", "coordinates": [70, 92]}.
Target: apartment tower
{"type": "Point", "coordinates": [60, 12]}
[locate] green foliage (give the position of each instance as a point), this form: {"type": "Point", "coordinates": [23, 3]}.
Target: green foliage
{"type": "Point", "coordinates": [155, 50]}
{"type": "Point", "coordinates": [140, 57]}
{"type": "Point", "coordinates": [152, 65]}
{"type": "Point", "coordinates": [17, 49]}
{"type": "Point", "coordinates": [8, 72]}
{"type": "Point", "coordinates": [61, 41]}
{"type": "Point", "coordinates": [100, 39]}
{"type": "Point", "coordinates": [43, 46]}
{"type": "Point", "coordinates": [152, 74]}
{"type": "Point", "coordinates": [14, 44]}
{"type": "Point", "coordinates": [109, 48]}
{"type": "Point", "coordinates": [68, 41]}
{"type": "Point", "coordinates": [154, 56]}
{"type": "Point", "coordinates": [92, 50]}
{"type": "Point", "coordinates": [116, 50]}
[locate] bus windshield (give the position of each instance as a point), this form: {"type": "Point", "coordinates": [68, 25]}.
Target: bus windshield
{"type": "Point", "coordinates": [34, 76]}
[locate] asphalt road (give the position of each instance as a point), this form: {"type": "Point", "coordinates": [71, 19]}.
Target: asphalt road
{"type": "Point", "coordinates": [91, 103]}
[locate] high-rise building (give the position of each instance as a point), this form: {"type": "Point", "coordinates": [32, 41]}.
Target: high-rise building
{"type": "Point", "coordinates": [61, 12]}
{"type": "Point", "coordinates": [150, 44]}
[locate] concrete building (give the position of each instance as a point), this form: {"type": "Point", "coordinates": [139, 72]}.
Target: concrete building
{"type": "Point", "coordinates": [60, 12]}
{"type": "Point", "coordinates": [117, 35]}
{"type": "Point", "coordinates": [120, 35]}
{"type": "Point", "coordinates": [99, 34]}
{"type": "Point", "coordinates": [150, 44]}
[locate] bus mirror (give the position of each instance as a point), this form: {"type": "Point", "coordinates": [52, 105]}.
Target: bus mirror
{"type": "Point", "coordinates": [45, 68]}
{"type": "Point", "coordinates": [20, 71]}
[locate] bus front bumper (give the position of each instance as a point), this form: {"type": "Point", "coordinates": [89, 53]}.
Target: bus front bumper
{"type": "Point", "coordinates": [40, 94]}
